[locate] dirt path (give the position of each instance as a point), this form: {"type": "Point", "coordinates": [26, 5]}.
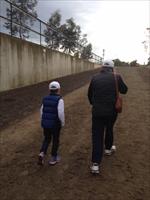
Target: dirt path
{"type": "Point", "coordinates": [124, 176]}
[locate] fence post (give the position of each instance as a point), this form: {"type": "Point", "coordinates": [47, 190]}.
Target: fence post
{"type": "Point", "coordinates": [40, 33]}
{"type": "Point", "coordinates": [11, 19]}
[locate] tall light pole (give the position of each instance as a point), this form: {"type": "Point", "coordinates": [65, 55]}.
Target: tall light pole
{"type": "Point", "coordinates": [103, 53]}
{"type": "Point", "coordinates": [148, 29]}
{"type": "Point", "coordinates": [146, 43]}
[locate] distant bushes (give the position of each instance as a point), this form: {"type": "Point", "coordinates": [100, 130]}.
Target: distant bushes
{"type": "Point", "coordinates": [126, 64]}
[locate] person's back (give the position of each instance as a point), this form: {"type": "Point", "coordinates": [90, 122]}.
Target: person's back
{"type": "Point", "coordinates": [50, 112]}
{"type": "Point", "coordinates": [102, 92]}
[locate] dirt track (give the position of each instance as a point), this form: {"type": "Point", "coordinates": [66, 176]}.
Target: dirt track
{"type": "Point", "coordinates": [124, 176]}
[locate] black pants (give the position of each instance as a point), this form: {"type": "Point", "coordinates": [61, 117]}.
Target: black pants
{"type": "Point", "coordinates": [51, 134]}
{"type": "Point", "coordinates": [101, 126]}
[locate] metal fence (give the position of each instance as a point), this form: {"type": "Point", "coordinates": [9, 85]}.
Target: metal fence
{"type": "Point", "coordinates": [31, 30]}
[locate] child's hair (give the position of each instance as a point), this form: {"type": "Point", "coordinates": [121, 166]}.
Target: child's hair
{"type": "Point", "coordinates": [54, 91]}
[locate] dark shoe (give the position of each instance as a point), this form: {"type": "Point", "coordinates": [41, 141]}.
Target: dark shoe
{"type": "Point", "coordinates": [54, 160]}
{"type": "Point", "coordinates": [41, 159]}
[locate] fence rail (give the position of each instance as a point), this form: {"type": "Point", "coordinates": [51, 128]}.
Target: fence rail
{"type": "Point", "coordinates": [35, 32]}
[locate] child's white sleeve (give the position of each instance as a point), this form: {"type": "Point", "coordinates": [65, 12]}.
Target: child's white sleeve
{"type": "Point", "coordinates": [61, 113]}
{"type": "Point", "coordinates": [41, 110]}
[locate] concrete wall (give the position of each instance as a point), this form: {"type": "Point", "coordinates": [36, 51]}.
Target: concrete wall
{"type": "Point", "coordinates": [23, 63]}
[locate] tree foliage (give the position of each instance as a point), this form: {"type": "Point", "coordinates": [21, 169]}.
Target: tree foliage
{"type": "Point", "coordinates": [148, 63]}
{"type": "Point", "coordinates": [82, 43]}
{"type": "Point", "coordinates": [20, 17]}
{"type": "Point", "coordinates": [87, 52]}
{"type": "Point", "coordinates": [52, 32]}
{"type": "Point", "coordinates": [71, 34]}
{"type": "Point", "coordinates": [67, 37]}
{"type": "Point", "coordinates": [134, 63]}
{"type": "Point", "coordinates": [118, 62]}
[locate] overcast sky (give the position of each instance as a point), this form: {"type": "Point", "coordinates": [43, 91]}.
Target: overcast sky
{"type": "Point", "coordinates": [119, 27]}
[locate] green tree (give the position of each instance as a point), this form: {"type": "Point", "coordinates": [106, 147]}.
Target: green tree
{"type": "Point", "coordinates": [82, 43]}
{"type": "Point", "coordinates": [118, 62]}
{"type": "Point", "coordinates": [87, 52]}
{"type": "Point", "coordinates": [71, 34]}
{"type": "Point", "coordinates": [20, 17]}
{"type": "Point", "coordinates": [134, 63]}
{"type": "Point", "coordinates": [148, 61]}
{"type": "Point", "coordinates": [83, 40]}
{"type": "Point", "coordinates": [53, 35]}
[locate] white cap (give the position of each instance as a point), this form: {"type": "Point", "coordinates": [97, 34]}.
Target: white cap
{"type": "Point", "coordinates": [108, 63]}
{"type": "Point", "coordinates": [54, 85]}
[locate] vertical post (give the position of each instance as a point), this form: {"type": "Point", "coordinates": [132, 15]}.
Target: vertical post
{"type": "Point", "coordinates": [11, 19]}
{"type": "Point", "coordinates": [148, 29]}
{"type": "Point", "coordinates": [103, 53]}
{"type": "Point", "coordinates": [40, 33]}
{"type": "Point", "coordinates": [20, 30]}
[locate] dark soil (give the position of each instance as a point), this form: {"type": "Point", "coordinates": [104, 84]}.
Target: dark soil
{"type": "Point", "coordinates": [18, 103]}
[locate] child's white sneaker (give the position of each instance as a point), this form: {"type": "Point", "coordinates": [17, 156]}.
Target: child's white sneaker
{"type": "Point", "coordinates": [95, 168]}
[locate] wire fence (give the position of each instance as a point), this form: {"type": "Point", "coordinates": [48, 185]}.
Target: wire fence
{"type": "Point", "coordinates": [18, 23]}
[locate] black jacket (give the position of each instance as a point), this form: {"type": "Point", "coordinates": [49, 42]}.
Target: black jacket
{"type": "Point", "coordinates": [102, 92]}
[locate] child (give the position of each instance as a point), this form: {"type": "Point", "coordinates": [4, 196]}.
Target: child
{"type": "Point", "coordinates": [52, 119]}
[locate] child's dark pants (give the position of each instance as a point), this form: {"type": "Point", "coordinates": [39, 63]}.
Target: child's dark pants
{"type": "Point", "coordinates": [51, 134]}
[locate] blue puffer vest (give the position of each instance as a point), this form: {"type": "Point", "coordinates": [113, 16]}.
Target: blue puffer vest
{"type": "Point", "coordinates": [50, 113]}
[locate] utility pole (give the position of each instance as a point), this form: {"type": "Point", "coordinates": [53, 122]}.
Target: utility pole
{"type": "Point", "coordinates": [103, 54]}
{"type": "Point", "coordinates": [146, 43]}
{"type": "Point", "coordinates": [148, 29]}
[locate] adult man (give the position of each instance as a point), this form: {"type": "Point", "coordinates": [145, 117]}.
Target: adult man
{"type": "Point", "coordinates": [102, 96]}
